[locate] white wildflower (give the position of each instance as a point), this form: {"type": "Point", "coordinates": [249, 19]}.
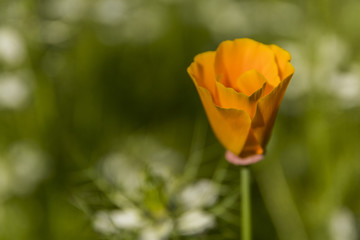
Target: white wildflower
{"type": "Point", "coordinates": [110, 12]}
{"type": "Point", "coordinates": [14, 91]}
{"type": "Point", "coordinates": [68, 10]}
{"type": "Point", "coordinates": [29, 166]}
{"type": "Point", "coordinates": [127, 219]}
{"type": "Point", "coordinates": [203, 193]}
{"type": "Point", "coordinates": [157, 231]}
{"type": "Point", "coordinates": [12, 48]}
{"type": "Point", "coordinates": [195, 222]}
{"type": "Point", "coordinates": [55, 32]}
{"type": "Point", "coordinates": [342, 225]}
{"type": "Point", "coordinates": [122, 171]}
{"type": "Point", "coordinates": [103, 224]}
{"type": "Point", "coordinates": [346, 87]}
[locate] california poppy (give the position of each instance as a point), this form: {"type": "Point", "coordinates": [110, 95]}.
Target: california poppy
{"type": "Point", "coordinates": [241, 86]}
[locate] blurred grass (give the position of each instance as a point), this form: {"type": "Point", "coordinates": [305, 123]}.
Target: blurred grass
{"type": "Point", "coordinates": [91, 73]}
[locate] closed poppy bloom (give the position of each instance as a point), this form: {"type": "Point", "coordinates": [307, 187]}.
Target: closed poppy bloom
{"type": "Point", "coordinates": [241, 86]}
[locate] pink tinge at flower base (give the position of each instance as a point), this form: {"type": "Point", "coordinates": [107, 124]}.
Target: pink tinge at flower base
{"type": "Point", "coordinates": [241, 86]}
{"type": "Point", "coordinates": [236, 160]}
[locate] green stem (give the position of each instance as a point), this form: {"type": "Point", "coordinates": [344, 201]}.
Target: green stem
{"type": "Point", "coordinates": [245, 204]}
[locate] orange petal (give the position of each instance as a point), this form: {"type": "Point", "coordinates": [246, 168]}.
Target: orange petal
{"type": "Point", "coordinates": [252, 146]}
{"type": "Point", "coordinates": [202, 71]}
{"type": "Point", "coordinates": [236, 57]}
{"type": "Point", "coordinates": [249, 82]}
{"type": "Point", "coordinates": [266, 111]}
{"type": "Point", "coordinates": [229, 98]}
{"type": "Point", "coordinates": [202, 74]}
{"type": "Point", "coordinates": [283, 58]}
{"type": "Point", "coordinates": [231, 126]}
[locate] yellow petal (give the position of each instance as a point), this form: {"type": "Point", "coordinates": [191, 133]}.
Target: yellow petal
{"type": "Point", "coordinates": [266, 111]}
{"type": "Point", "coordinates": [231, 126]}
{"type": "Point", "coordinates": [283, 58]}
{"type": "Point", "coordinates": [236, 57]}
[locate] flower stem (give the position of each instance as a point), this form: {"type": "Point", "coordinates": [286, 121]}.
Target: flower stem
{"type": "Point", "coordinates": [245, 203]}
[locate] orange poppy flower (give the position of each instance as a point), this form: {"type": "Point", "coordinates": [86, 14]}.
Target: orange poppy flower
{"type": "Point", "coordinates": [241, 86]}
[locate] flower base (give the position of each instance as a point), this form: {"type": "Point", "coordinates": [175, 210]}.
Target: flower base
{"type": "Point", "coordinates": [236, 160]}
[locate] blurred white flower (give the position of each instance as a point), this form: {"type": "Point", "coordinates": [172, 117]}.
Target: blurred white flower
{"type": "Point", "coordinates": [143, 179]}
{"type": "Point", "coordinates": [127, 219]}
{"type": "Point", "coordinates": [145, 24]}
{"type": "Point", "coordinates": [29, 166]}
{"type": "Point", "coordinates": [103, 224]}
{"type": "Point", "coordinates": [317, 62]}
{"type": "Point", "coordinates": [203, 193]}
{"type": "Point", "coordinates": [14, 91]}
{"type": "Point", "coordinates": [342, 225]}
{"type": "Point", "coordinates": [302, 80]}
{"type": "Point", "coordinates": [157, 231]}
{"type": "Point", "coordinates": [229, 19]}
{"type": "Point", "coordinates": [55, 32]}
{"type": "Point", "coordinates": [284, 16]}
{"type": "Point", "coordinates": [12, 48]}
{"type": "Point", "coordinates": [138, 23]}
{"type": "Point", "coordinates": [331, 49]}
{"type": "Point", "coordinates": [68, 10]}
{"type": "Point", "coordinates": [22, 167]}
{"type": "Point", "coordinates": [127, 168]}
{"type": "Point", "coordinates": [346, 86]}
{"type": "Point", "coordinates": [124, 172]}
{"type": "Point", "coordinates": [110, 11]}
{"type": "Point", "coordinates": [224, 19]}
{"type": "Point", "coordinates": [329, 53]}
{"type": "Point", "coordinates": [164, 162]}
{"type": "Point", "coordinates": [195, 222]}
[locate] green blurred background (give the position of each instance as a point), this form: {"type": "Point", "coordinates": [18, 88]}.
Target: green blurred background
{"type": "Point", "coordinates": [79, 78]}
